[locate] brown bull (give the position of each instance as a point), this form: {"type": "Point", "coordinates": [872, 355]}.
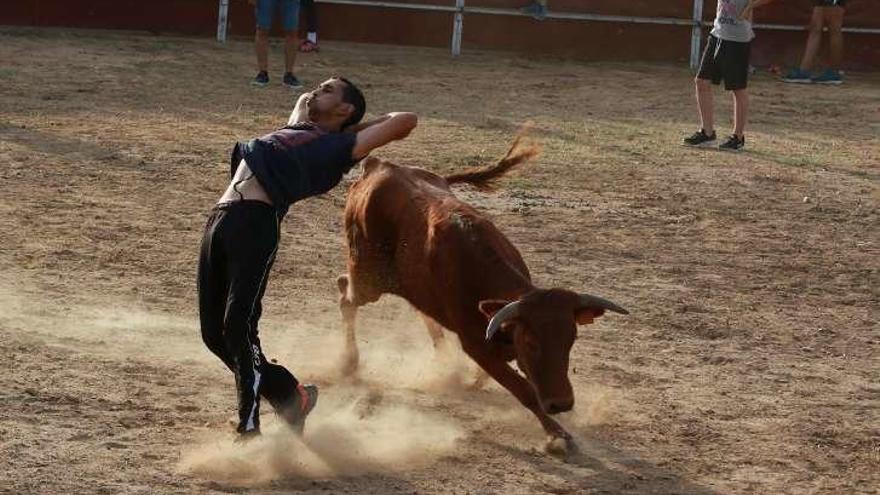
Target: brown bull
{"type": "Point", "coordinates": [410, 236]}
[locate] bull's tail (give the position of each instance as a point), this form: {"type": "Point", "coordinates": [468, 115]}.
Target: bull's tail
{"type": "Point", "coordinates": [483, 178]}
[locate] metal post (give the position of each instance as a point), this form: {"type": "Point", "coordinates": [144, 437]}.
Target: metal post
{"type": "Point", "coordinates": [696, 33]}
{"type": "Point", "coordinates": [457, 28]}
{"type": "Point", "coordinates": [222, 16]}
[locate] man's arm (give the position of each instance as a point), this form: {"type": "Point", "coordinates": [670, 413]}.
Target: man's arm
{"type": "Point", "coordinates": [354, 129]}
{"type": "Point", "coordinates": [300, 111]}
{"type": "Point", "coordinates": [746, 14]}
{"type": "Point", "coordinates": [381, 131]}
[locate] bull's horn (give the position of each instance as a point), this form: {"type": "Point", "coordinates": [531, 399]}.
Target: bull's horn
{"type": "Point", "coordinates": [588, 301]}
{"type": "Point", "coordinates": [511, 310]}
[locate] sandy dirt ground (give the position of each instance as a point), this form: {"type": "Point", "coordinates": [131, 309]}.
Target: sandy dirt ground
{"type": "Point", "coordinates": [749, 363]}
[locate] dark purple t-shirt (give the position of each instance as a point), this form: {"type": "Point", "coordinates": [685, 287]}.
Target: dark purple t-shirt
{"type": "Point", "coordinates": [296, 162]}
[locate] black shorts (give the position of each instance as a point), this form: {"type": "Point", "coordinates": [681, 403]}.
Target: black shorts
{"type": "Point", "coordinates": [830, 3]}
{"type": "Point", "coordinates": [727, 60]}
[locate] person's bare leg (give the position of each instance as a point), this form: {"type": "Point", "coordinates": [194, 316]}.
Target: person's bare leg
{"type": "Point", "coordinates": [261, 42]}
{"type": "Point", "coordinates": [740, 111]}
{"type": "Point", "coordinates": [814, 40]}
{"type": "Point", "coordinates": [705, 104]}
{"type": "Point", "coordinates": [834, 18]}
{"type": "Point", "coordinates": [291, 42]}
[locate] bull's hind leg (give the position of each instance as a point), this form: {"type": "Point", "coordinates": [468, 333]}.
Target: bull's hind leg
{"type": "Point", "coordinates": [348, 308]}
{"type": "Point", "coordinates": [360, 286]}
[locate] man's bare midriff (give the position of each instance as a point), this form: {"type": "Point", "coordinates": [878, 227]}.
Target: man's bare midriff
{"type": "Point", "coordinates": [244, 185]}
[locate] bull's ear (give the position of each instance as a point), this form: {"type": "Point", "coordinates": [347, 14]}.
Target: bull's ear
{"type": "Point", "coordinates": [491, 306]}
{"type": "Point", "coordinates": [585, 316]}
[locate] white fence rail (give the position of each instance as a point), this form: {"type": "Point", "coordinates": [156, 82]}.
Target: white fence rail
{"type": "Point", "coordinates": [459, 9]}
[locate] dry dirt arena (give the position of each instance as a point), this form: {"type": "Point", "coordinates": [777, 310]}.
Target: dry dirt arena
{"type": "Point", "coordinates": [749, 363]}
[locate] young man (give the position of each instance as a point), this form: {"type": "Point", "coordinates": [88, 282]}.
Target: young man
{"type": "Point", "coordinates": [825, 13]}
{"type": "Point", "coordinates": [265, 11]}
{"type": "Point", "coordinates": [726, 57]}
{"type": "Point", "coordinates": [322, 141]}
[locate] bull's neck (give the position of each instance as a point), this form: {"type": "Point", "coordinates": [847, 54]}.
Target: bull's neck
{"type": "Point", "coordinates": [509, 282]}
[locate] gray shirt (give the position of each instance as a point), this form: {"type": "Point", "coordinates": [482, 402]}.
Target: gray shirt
{"type": "Point", "coordinates": [728, 26]}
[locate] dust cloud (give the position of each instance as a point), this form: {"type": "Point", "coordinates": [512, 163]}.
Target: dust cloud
{"type": "Point", "coordinates": [351, 431]}
{"type": "Point", "coordinates": [383, 419]}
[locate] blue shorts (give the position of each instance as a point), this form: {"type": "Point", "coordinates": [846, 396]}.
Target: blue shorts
{"type": "Point", "coordinates": [266, 9]}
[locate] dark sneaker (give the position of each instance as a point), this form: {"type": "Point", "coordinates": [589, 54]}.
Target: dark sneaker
{"type": "Point", "coordinates": [302, 404]}
{"type": "Point", "coordinates": [733, 143]}
{"type": "Point", "coordinates": [700, 138]}
{"type": "Point", "coordinates": [291, 81]}
{"type": "Point", "coordinates": [536, 10]}
{"type": "Point", "coordinates": [830, 76]}
{"type": "Point", "coordinates": [798, 76]}
{"type": "Point", "coordinates": [262, 79]}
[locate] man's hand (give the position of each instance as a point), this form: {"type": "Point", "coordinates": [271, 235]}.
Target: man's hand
{"type": "Point", "coordinates": [300, 111]}
{"type": "Point", "coordinates": [381, 131]}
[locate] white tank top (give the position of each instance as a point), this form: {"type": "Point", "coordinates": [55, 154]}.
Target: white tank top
{"type": "Point", "coordinates": [728, 26]}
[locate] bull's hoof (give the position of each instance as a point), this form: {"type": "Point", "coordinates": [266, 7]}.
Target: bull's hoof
{"type": "Point", "coordinates": [561, 446]}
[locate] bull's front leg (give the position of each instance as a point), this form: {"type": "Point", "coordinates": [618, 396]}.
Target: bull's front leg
{"type": "Point", "coordinates": [348, 308]}
{"type": "Point", "coordinates": [524, 392]}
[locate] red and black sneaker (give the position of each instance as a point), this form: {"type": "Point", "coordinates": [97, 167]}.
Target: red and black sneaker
{"type": "Point", "coordinates": [302, 404]}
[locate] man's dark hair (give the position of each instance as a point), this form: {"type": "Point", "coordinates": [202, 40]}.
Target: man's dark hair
{"type": "Point", "coordinates": [351, 94]}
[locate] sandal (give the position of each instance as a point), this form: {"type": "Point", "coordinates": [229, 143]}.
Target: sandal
{"type": "Point", "coordinates": [308, 46]}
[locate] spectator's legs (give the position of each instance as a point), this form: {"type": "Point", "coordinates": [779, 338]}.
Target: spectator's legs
{"type": "Point", "coordinates": [740, 111]}
{"type": "Point", "coordinates": [311, 12]}
{"type": "Point", "coordinates": [261, 42]}
{"type": "Point", "coordinates": [814, 40]}
{"type": "Point", "coordinates": [834, 18]}
{"type": "Point", "coordinates": [290, 22]}
{"type": "Point", "coordinates": [290, 45]}
{"type": "Point", "coordinates": [705, 103]}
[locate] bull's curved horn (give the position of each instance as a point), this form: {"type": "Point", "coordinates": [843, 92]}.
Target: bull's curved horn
{"type": "Point", "coordinates": [511, 310]}
{"type": "Point", "coordinates": [589, 301]}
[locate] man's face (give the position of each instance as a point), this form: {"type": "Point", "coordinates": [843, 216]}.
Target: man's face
{"type": "Point", "coordinates": [326, 100]}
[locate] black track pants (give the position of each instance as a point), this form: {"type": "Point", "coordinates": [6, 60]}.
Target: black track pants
{"type": "Point", "coordinates": [238, 249]}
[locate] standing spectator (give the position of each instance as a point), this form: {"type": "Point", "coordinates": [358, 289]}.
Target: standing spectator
{"type": "Point", "coordinates": [825, 13]}
{"type": "Point", "coordinates": [265, 11]}
{"type": "Point", "coordinates": [726, 57]}
{"type": "Point", "coordinates": [310, 44]}
{"type": "Point", "coordinates": [536, 9]}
